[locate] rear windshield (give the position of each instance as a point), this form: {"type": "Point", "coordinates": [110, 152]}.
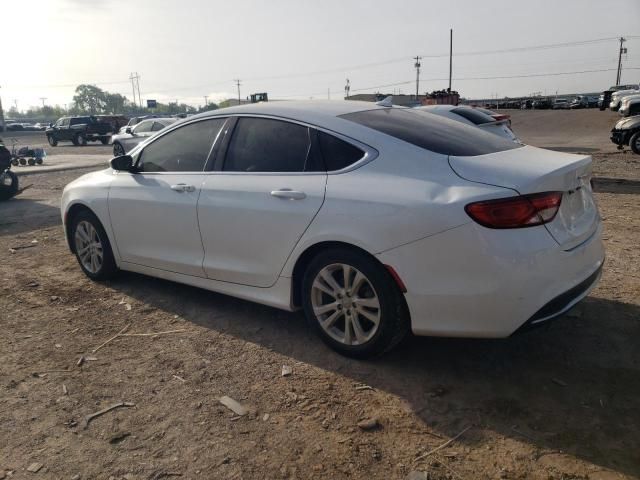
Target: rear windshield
{"type": "Point", "coordinates": [432, 132]}
{"type": "Point", "coordinates": [473, 115]}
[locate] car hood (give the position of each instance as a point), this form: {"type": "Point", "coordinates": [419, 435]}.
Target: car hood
{"type": "Point", "coordinates": [627, 123]}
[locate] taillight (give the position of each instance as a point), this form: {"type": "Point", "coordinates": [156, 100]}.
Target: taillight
{"type": "Point", "coordinates": [516, 212]}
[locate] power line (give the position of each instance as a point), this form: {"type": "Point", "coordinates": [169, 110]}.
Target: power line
{"type": "Point", "coordinates": [237, 80]}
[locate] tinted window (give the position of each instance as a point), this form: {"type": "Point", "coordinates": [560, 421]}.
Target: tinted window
{"type": "Point", "coordinates": [80, 120]}
{"type": "Point", "coordinates": [337, 154]}
{"type": "Point", "coordinates": [474, 116]}
{"type": "Point", "coordinates": [157, 126]}
{"type": "Point", "coordinates": [185, 149]}
{"type": "Point", "coordinates": [431, 132]}
{"type": "Point", "coordinates": [144, 126]}
{"type": "Point", "coordinates": [265, 145]}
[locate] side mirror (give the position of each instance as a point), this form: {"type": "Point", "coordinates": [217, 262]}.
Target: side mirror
{"type": "Point", "coordinates": [122, 163]}
{"type": "Point", "coordinates": [128, 130]}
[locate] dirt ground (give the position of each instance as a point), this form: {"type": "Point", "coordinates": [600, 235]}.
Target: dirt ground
{"type": "Point", "coordinates": [559, 403]}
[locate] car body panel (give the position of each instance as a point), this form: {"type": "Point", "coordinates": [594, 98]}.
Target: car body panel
{"type": "Point", "coordinates": [509, 275]}
{"type": "Point", "coordinates": [154, 225]}
{"type": "Point", "coordinates": [247, 232]}
{"type": "Point", "coordinates": [533, 170]}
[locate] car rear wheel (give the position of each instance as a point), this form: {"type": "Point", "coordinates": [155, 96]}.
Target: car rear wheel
{"type": "Point", "coordinates": [118, 149]}
{"type": "Point", "coordinates": [52, 140]}
{"type": "Point", "coordinates": [634, 143]}
{"type": "Point", "coordinates": [353, 303]}
{"type": "Point", "coordinates": [91, 246]}
{"type": "Point", "coordinates": [80, 139]}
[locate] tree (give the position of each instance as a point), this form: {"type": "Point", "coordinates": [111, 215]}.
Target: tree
{"type": "Point", "coordinates": [89, 98]}
{"type": "Point", "coordinates": [114, 102]}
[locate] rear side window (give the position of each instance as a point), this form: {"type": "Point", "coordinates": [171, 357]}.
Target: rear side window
{"type": "Point", "coordinates": [337, 154]}
{"type": "Point", "coordinates": [80, 120]}
{"type": "Point", "coordinates": [184, 149]}
{"type": "Point", "coordinates": [266, 145]}
{"type": "Point", "coordinates": [431, 132]}
{"type": "Point", "coordinates": [478, 118]}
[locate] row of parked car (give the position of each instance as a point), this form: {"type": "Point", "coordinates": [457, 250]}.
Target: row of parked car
{"type": "Point", "coordinates": [25, 127]}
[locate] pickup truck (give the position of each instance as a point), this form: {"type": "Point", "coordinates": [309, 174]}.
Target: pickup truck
{"type": "Point", "coordinates": [79, 131]}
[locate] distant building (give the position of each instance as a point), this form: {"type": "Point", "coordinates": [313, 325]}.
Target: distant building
{"type": "Point", "coordinates": [441, 97]}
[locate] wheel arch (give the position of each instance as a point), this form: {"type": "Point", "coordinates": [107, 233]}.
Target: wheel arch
{"type": "Point", "coordinates": [305, 258]}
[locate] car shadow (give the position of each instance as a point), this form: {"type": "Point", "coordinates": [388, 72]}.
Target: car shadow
{"type": "Point", "coordinates": [572, 387]}
{"type": "Point", "coordinates": [574, 149]}
{"type": "Point", "coordinates": [616, 185]}
{"type": "Point", "coordinates": [22, 214]}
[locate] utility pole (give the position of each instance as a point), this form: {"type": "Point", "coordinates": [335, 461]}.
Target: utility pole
{"type": "Point", "coordinates": [450, 56]}
{"type": "Point", "coordinates": [417, 65]}
{"type": "Point", "coordinates": [43, 99]}
{"type": "Point", "coordinates": [206, 100]}
{"type": "Point", "coordinates": [133, 88]}
{"type": "Point", "coordinates": [1, 116]}
{"type": "Point", "coordinates": [237, 80]}
{"type": "Point", "coordinates": [347, 89]}
{"type": "Point", "coordinates": [138, 84]}
{"type": "Point", "coordinates": [622, 50]}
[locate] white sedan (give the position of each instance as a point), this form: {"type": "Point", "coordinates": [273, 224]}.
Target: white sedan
{"type": "Point", "coordinates": [375, 220]}
{"type": "Point", "coordinates": [474, 117]}
{"type": "Point", "coordinates": [132, 136]}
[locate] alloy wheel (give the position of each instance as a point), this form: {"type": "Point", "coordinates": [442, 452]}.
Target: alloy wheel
{"type": "Point", "coordinates": [345, 304]}
{"type": "Point", "coordinates": [89, 247]}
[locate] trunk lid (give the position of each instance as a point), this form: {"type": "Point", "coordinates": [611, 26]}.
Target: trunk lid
{"type": "Point", "coordinates": [534, 170]}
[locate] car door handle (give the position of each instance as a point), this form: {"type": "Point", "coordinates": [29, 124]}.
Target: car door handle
{"type": "Point", "coordinates": [288, 194]}
{"type": "Point", "coordinates": [183, 187]}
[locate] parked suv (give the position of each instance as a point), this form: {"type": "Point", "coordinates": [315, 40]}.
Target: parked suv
{"type": "Point", "coordinates": [79, 131]}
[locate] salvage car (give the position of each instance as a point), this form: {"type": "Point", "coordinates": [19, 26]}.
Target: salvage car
{"type": "Point", "coordinates": [123, 142]}
{"type": "Point", "coordinates": [560, 104]}
{"type": "Point", "coordinates": [474, 117]}
{"type": "Point", "coordinates": [627, 133]}
{"type": "Point", "coordinates": [616, 98]}
{"type": "Point", "coordinates": [374, 220]}
{"type": "Point", "coordinates": [629, 105]}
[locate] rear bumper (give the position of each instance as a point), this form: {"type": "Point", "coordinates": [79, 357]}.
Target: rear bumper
{"type": "Point", "coordinates": [476, 282]}
{"type": "Point", "coordinates": [562, 303]}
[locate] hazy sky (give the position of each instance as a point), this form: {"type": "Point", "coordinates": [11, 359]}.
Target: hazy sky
{"type": "Point", "coordinates": [300, 48]}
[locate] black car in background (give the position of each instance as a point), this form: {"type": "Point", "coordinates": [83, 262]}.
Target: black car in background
{"type": "Point", "coordinates": [79, 130]}
{"type": "Point", "coordinates": [541, 104]}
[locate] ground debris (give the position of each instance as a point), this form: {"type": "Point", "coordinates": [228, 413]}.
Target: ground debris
{"type": "Point", "coordinates": [90, 417]}
{"type": "Point", "coordinates": [233, 405]}
{"type": "Point", "coordinates": [286, 370]}
{"type": "Point", "coordinates": [34, 467]}
{"type": "Point", "coordinates": [369, 424]}
{"type": "Point", "coordinates": [557, 381]}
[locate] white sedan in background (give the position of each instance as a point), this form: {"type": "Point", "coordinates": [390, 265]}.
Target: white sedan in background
{"type": "Point", "coordinates": [474, 117]}
{"type": "Point", "coordinates": [375, 220]}
{"type": "Point", "coordinates": [132, 136]}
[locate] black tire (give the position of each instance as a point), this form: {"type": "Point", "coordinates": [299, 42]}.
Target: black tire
{"type": "Point", "coordinates": [52, 140]}
{"type": "Point", "coordinates": [31, 161]}
{"type": "Point", "coordinates": [104, 140]}
{"type": "Point", "coordinates": [118, 149]}
{"type": "Point", "coordinates": [634, 142]}
{"type": "Point", "coordinates": [22, 161]}
{"type": "Point", "coordinates": [393, 323]}
{"type": "Point", "coordinates": [108, 269]}
{"type": "Point", "coordinates": [9, 191]}
{"type": "Point", "coordinates": [80, 139]}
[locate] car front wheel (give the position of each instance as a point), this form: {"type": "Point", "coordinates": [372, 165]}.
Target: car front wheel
{"type": "Point", "coordinates": [52, 140]}
{"type": "Point", "coordinates": [353, 303]}
{"type": "Point", "coordinates": [634, 142]}
{"type": "Point", "coordinates": [118, 149]}
{"type": "Point", "coordinates": [91, 246]}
